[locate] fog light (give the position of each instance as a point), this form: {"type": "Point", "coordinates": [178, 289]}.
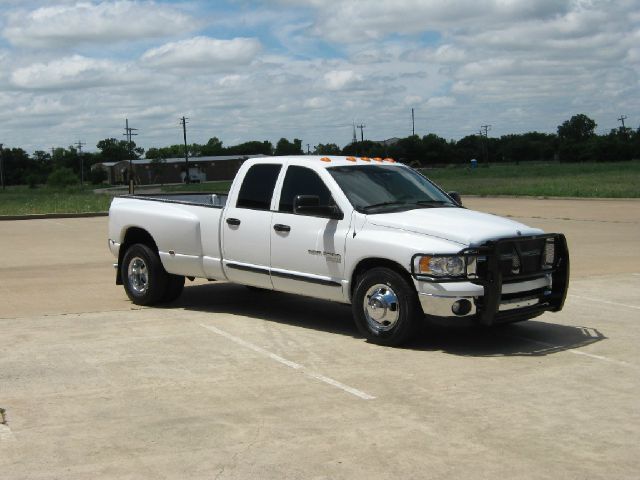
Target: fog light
{"type": "Point", "coordinates": [461, 307]}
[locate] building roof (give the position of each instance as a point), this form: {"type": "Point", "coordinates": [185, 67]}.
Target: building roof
{"type": "Point", "coordinates": [209, 159]}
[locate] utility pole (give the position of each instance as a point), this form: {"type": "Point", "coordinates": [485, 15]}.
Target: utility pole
{"type": "Point", "coordinates": [361, 127]}
{"type": "Point", "coordinates": [308, 149]}
{"type": "Point", "coordinates": [484, 133]}
{"type": "Point", "coordinates": [1, 166]}
{"type": "Point", "coordinates": [183, 121]}
{"type": "Point", "coordinates": [622, 119]}
{"type": "Point", "coordinates": [128, 131]}
{"type": "Point", "coordinates": [355, 137]}
{"type": "Point", "coordinates": [413, 123]}
{"type": "Point", "coordinates": [80, 144]}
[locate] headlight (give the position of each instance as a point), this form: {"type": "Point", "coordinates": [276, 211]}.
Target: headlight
{"type": "Point", "coordinates": [440, 266]}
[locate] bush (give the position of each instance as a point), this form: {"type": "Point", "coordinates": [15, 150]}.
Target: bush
{"type": "Point", "coordinates": [62, 177]}
{"type": "Point", "coordinates": [99, 175]}
{"type": "Point", "coordinates": [32, 180]}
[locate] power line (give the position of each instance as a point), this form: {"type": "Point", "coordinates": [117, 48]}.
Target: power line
{"type": "Point", "coordinates": [184, 122]}
{"type": "Point", "coordinates": [128, 131]}
{"type": "Point", "coordinates": [81, 144]}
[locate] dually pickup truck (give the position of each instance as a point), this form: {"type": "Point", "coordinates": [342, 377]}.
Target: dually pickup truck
{"type": "Point", "coordinates": [372, 233]}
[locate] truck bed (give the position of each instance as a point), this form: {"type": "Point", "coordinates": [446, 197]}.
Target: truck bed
{"type": "Point", "coordinates": [215, 200]}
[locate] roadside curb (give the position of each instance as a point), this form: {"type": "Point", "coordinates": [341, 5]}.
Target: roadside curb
{"type": "Point", "coordinates": [45, 216]}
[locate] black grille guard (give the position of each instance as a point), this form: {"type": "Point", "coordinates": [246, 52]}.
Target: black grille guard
{"type": "Point", "coordinates": [488, 313]}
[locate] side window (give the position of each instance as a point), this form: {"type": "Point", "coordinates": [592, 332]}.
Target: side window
{"type": "Point", "coordinates": [257, 187]}
{"type": "Point", "coordinates": [302, 181]}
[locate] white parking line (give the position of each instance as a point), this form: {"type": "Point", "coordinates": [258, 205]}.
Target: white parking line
{"type": "Point", "coordinates": [635, 307]}
{"type": "Point", "coordinates": [290, 364]}
{"type": "Point", "coordinates": [575, 352]}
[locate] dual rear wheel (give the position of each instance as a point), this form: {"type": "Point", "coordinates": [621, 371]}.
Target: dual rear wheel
{"type": "Point", "coordinates": [145, 280]}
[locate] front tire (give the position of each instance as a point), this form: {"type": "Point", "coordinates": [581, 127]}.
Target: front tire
{"type": "Point", "coordinates": [145, 279]}
{"type": "Point", "coordinates": [385, 307]}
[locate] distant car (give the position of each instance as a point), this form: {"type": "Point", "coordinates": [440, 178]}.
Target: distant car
{"type": "Point", "coordinates": [367, 232]}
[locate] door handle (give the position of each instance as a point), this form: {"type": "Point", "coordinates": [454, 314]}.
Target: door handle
{"type": "Point", "coordinates": [233, 222]}
{"type": "Point", "coordinates": [278, 227]}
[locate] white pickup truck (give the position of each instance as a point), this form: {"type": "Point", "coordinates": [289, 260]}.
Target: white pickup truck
{"type": "Point", "coordinates": [372, 233]}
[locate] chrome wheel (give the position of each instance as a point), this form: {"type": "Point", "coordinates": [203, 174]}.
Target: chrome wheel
{"type": "Point", "coordinates": [381, 308]}
{"type": "Point", "coordinates": [138, 276]}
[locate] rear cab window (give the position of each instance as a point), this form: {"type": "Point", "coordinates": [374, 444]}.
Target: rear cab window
{"type": "Point", "coordinates": [258, 186]}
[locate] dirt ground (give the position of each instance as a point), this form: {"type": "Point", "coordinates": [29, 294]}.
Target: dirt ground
{"type": "Point", "coordinates": [231, 383]}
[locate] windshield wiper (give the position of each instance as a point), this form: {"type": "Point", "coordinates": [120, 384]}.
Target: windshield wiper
{"type": "Point", "coordinates": [382, 204]}
{"type": "Point", "coordinates": [433, 202]}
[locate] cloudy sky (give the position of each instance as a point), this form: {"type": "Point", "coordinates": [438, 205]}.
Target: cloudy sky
{"type": "Point", "coordinates": [243, 70]}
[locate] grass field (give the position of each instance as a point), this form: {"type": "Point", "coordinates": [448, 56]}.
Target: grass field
{"type": "Point", "coordinates": [599, 180]}
{"type": "Point", "coordinates": [23, 200]}
{"type": "Point", "coordinates": [594, 180]}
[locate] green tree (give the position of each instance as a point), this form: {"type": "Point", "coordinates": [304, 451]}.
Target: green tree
{"type": "Point", "coordinates": [213, 147]}
{"type": "Point", "coordinates": [578, 128]}
{"type": "Point", "coordinates": [285, 147]}
{"type": "Point", "coordinates": [253, 147]}
{"type": "Point", "coordinates": [114, 150]}
{"type": "Point", "coordinates": [327, 149]}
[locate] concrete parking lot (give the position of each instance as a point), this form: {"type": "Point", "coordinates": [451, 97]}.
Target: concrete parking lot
{"type": "Point", "coordinates": [232, 383]}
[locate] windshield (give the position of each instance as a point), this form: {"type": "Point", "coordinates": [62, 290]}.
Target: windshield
{"type": "Point", "coordinates": [380, 188]}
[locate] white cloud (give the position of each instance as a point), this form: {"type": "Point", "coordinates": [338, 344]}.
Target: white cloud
{"type": "Point", "coordinates": [204, 52]}
{"type": "Point", "coordinates": [87, 22]}
{"type": "Point", "coordinates": [316, 102]}
{"type": "Point", "coordinates": [71, 72]}
{"type": "Point", "coordinates": [311, 71]}
{"type": "Point", "coordinates": [341, 79]}
{"type": "Point", "coordinates": [440, 102]}
{"type": "Point", "coordinates": [350, 22]}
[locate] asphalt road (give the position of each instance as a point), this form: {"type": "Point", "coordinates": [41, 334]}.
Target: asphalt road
{"type": "Point", "coordinates": [231, 383]}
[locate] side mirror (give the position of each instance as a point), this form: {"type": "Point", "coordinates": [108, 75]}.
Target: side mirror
{"type": "Point", "coordinates": [310, 205]}
{"type": "Point", "coordinates": [456, 197]}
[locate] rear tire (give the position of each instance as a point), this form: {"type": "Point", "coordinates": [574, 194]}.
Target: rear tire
{"type": "Point", "coordinates": [143, 276]}
{"type": "Point", "coordinates": [385, 307]}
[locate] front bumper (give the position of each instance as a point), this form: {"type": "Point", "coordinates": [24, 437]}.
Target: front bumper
{"type": "Point", "coordinates": [496, 298]}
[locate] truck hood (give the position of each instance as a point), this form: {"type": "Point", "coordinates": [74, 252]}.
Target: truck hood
{"type": "Point", "coordinates": [459, 225]}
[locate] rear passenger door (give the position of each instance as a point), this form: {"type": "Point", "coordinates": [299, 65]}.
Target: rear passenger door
{"type": "Point", "coordinates": [307, 251]}
{"type": "Point", "coordinates": [246, 228]}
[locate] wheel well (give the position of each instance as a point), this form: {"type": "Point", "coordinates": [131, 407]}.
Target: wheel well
{"type": "Point", "coordinates": [369, 263]}
{"type": "Point", "coordinates": [134, 235]}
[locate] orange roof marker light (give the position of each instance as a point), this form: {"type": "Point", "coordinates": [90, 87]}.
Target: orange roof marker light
{"type": "Point", "coordinates": [365, 159]}
{"type": "Point", "coordinates": [325, 159]}
{"type": "Point", "coordinates": [351, 159]}
{"type": "Point", "coordinates": [378, 159]}
{"type": "Point", "coordinates": [390, 160]}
